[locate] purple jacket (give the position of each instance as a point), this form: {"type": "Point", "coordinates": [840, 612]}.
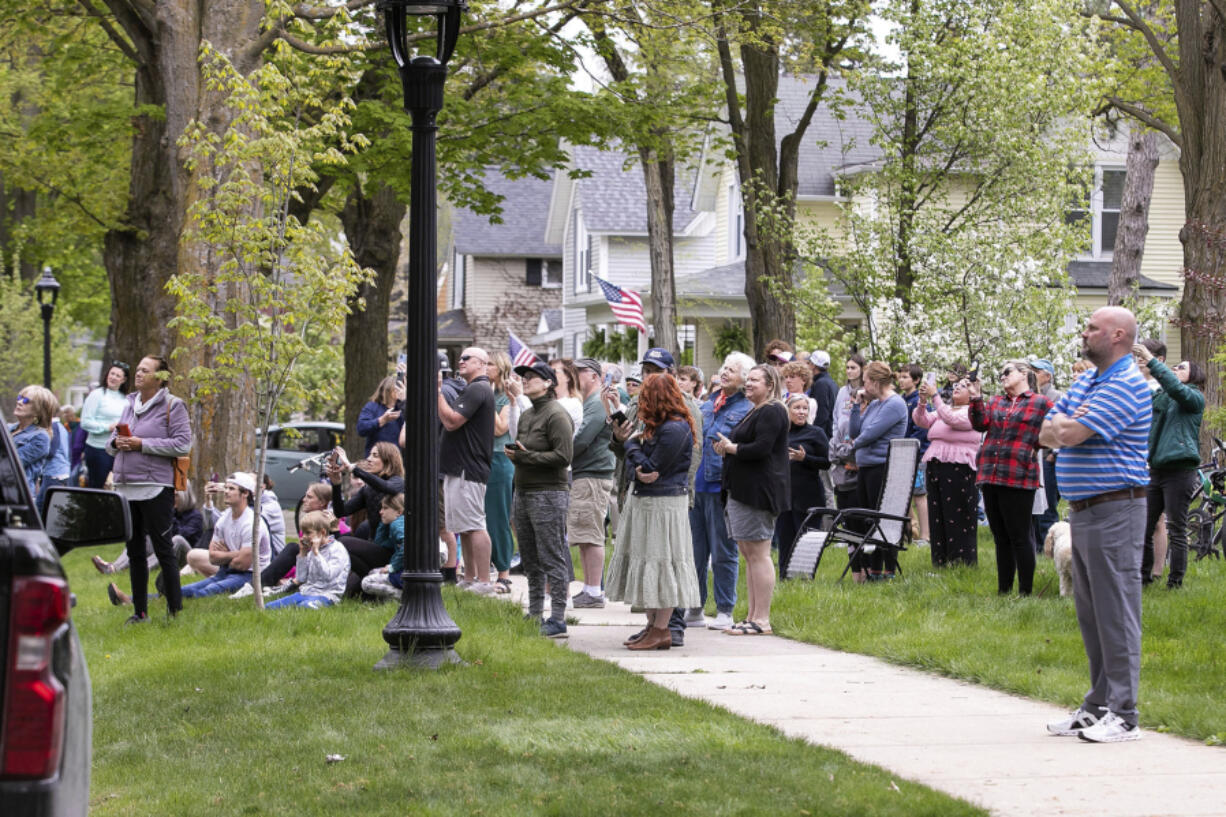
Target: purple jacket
{"type": "Point", "coordinates": [161, 440]}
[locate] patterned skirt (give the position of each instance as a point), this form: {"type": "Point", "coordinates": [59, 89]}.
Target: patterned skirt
{"type": "Point", "coordinates": [653, 564]}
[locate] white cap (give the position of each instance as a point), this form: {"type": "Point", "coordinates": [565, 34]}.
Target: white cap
{"type": "Point", "coordinates": [243, 480]}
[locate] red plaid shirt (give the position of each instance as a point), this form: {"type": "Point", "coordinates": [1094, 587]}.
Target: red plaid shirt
{"type": "Point", "coordinates": [1006, 456]}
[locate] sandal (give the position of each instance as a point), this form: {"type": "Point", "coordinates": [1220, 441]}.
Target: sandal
{"type": "Point", "coordinates": [747, 628]}
{"type": "Point", "coordinates": [502, 586]}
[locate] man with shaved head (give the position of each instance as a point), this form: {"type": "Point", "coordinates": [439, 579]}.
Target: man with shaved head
{"type": "Point", "coordinates": [1101, 428]}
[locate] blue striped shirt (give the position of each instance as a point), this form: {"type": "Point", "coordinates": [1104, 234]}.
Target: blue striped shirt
{"type": "Point", "coordinates": [1114, 456]}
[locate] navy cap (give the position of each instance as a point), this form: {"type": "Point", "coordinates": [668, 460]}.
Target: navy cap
{"type": "Point", "coordinates": [540, 369]}
{"type": "Point", "coordinates": [657, 356]}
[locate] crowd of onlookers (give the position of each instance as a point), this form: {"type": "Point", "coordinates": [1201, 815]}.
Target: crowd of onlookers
{"type": "Point", "coordinates": [685, 475]}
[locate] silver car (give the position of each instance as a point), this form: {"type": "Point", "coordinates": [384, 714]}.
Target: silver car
{"type": "Point", "coordinates": [289, 446]}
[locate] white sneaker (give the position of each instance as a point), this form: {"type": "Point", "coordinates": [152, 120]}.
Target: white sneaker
{"type": "Point", "coordinates": [1074, 723]}
{"type": "Point", "coordinates": [275, 590]}
{"type": "Point", "coordinates": [243, 592]}
{"type": "Point", "coordinates": [1111, 728]}
{"type": "Point", "coordinates": [481, 588]}
{"type": "Point", "coordinates": [722, 622]}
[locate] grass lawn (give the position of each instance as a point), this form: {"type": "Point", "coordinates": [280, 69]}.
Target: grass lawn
{"type": "Point", "coordinates": [230, 711]}
{"type": "Point", "coordinates": [952, 622]}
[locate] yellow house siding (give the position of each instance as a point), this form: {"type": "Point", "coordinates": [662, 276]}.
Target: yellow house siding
{"type": "Point", "coordinates": [1163, 259]}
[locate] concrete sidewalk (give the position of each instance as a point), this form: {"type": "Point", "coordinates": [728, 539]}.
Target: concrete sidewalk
{"type": "Point", "coordinates": [984, 746]}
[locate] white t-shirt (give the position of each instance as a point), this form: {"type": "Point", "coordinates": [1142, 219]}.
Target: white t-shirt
{"type": "Point", "coordinates": [235, 534]}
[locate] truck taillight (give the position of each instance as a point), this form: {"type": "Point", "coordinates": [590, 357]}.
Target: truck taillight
{"type": "Point", "coordinates": [34, 699]}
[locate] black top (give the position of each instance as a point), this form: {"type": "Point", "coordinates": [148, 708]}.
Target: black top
{"type": "Point", "coordinates": [807, 491]}
{"type": "Point", "coordinates": [758, 473]}
{"type": "Point", "coordinates": [370, 497]}
{"type": "Point", "coordinates": [825, 391]}
{"type": "Point", "coordinates": [468, 450]}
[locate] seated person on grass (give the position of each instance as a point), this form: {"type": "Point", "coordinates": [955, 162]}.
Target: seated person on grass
{"type": "Point", "coordinates": [322, 566]}
{"type": "Point", "coordinates": [385, 582]}
{"type": "Point", "coordinates": [230, 554]}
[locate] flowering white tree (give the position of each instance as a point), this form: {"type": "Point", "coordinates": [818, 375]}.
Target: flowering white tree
{"type": "Point", "coordinates": [956, 242]}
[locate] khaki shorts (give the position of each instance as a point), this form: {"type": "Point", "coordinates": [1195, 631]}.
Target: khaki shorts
{"type": "Point", "coordinates": [465, 504]}
{"type": "Point", "coordinates": [589, 503]}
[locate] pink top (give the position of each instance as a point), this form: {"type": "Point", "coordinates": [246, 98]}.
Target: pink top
{"type": "Point", "coordinates": [950, 435]}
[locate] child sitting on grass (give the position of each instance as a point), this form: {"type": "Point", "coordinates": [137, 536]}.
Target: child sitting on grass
{"type": "Point", "coordinates": [322, 566]}
{"type": "Point", "coordinates": [385, 582]}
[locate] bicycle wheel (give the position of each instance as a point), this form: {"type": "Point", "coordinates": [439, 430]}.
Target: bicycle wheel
{"type": "Point", "coordinates": [1200, 533]}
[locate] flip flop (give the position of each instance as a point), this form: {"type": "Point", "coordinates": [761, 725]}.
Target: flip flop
{"type": "Point", "coordinates": [747, 628]}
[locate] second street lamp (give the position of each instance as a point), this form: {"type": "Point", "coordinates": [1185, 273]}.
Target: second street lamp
{"type": "Point", "coordinates": [48, 291]}
{"type": "Point", "coordinates": [421, 634]}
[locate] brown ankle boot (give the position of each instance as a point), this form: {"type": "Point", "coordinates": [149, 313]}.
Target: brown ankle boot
{"type": "Point", "coordinates": [657, 638]}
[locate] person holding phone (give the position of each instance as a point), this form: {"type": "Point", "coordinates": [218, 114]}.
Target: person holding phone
{"type": "Point", "coordinates": [949, 470]}
{"type": "Point", "coordinates": [99, 415]}
{"type": "Point", "coordinates": [808, 455]}
{"type": "Point", "coordinates": [380, 419]}
{"type": "Point", "coordinates": [541, 454]}
{"type": "Point", "coordinates": [144, 472]}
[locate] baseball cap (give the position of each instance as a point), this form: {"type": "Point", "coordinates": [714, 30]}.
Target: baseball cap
{"type": "Point", "coordinates": [243, 480]}
{"type": "Point", "coordinates": [781, 355]}
{"type": "Point", "coordinates": [636, 373]}
{"type": "Point", "coordinates": [1045, 365]}
{"type": "Point", "coordinates": [658, 357]}
{"type": "Point", "coordinates": [590, 364]}
{"type": "Point", "coordinates": [820, 359]}
{"type": "Point", "coordinates": [444, 365]}
{"type": "Point", "coordinates": [540, 369]}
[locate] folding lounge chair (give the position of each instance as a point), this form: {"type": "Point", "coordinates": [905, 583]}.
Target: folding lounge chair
{"type": "Point", "coordinates": [887, 526]}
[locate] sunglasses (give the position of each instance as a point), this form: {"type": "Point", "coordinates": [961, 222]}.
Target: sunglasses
{"type": "Point", "coordinates": [115, 364]}
{"type": "Point", "coordinates": [466, 358]}
{"type": "Point", "coordinates": [22, 400]}
{"type": "Point", "coordinates": [1182, 366]}
{"type": "Point", "coordinates": [1008, 371]}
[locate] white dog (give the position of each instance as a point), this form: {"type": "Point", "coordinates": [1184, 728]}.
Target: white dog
{"type": "Point", "coordinates": [1059, 547]}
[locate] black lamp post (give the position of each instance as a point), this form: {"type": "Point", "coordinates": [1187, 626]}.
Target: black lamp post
{"type": "Point", "coordinates": [421, 634]}
{"type": "Point", "coordinates": [48, 290]}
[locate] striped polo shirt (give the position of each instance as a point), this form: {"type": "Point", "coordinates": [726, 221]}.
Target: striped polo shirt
{"type": "Point", "coordinates": [1114, 456]}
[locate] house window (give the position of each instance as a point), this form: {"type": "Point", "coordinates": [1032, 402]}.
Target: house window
{"type": "Point", "coordinates": [458, 282]}
{"type": "Point", "coordinates": [1103, 211]}
{"type": "Point", "coordinates": [577, 343]}
{"type": "Point", "coordinates": [552, 274]}
{"type": "Point", "coordinates": [583, 257]}
{"type": "Point", "coordinates": [686, 335]}
{"type": "Point", "coordinates": [736, 224]}
{"type": "Point", "coordinates": [532, 276]}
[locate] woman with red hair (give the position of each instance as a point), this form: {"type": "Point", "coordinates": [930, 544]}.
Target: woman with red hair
{"type": "Point", "coordinates": [653, 565]}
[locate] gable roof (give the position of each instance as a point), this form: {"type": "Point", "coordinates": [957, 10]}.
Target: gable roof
{"type": "Point", "coordinates": [525, 207]}
{"type": "Point", "coordinates": [833, 140]}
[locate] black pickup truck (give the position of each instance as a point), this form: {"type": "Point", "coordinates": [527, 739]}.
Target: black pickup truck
{"type": "Point", "coordinates": [46, 716]}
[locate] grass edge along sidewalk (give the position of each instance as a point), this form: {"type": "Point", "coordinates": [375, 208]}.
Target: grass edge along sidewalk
{"type": "Point", "coordinates": [226, 711]}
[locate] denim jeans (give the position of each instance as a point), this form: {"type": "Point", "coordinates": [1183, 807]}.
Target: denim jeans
{"type": "Point", "coordinates": [300, 600]}
{"type": "Point", "coordinates": [223, 581]}
{"type": "Point", "coordinates": [711, 541]}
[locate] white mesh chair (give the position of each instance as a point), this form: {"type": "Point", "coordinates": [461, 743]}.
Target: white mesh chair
{"type": "Point", "coordinates": [861, 530]}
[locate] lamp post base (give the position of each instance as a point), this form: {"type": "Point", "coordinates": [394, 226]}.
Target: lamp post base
{"type": "Point", "coordinates": [421, 634]}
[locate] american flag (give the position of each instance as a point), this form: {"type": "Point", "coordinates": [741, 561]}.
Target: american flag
{"type": "Point", "coordinates": [520, 354]}
{"type": "Point", "coordinates": [627, 306]}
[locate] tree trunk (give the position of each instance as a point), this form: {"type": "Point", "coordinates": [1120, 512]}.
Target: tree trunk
{"type": "Point", "coordinates": [1134, 215]}
{"type": "Point", "coordinates": [659, 176]}
{"type": "Point", "coordinates": [372, 225]}
{"type": "Point", "coordinates": [767, 276]}
{"type": "Point", "coordinates": [141, 255]}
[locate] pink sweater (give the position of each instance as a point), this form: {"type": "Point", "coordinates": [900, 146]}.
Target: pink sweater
{"type": "Point", "coordinates": [950, 435]}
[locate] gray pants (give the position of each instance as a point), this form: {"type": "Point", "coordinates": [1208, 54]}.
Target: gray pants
{"type": "Point", "coordinates": [540, 530]}
{"type": "Point", "coordinates": [1107, 542]}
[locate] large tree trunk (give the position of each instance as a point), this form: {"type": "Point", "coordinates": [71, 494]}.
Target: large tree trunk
{"type": "Point", "coordinates": [1134, 215]}
{"type": "Point", "coordinates": [1201, 99]}
{"type": "Point", "coordinates": [658, 174]}
{"type": "Point", "coordinates": [141, 256]}
{"type": "Point", "coordinates": [372, 225]}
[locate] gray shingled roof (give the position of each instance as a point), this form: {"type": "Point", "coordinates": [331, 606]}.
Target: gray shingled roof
{"type": "Point", "coordinates": [830, 143]}
{"type": "Point", "coordinates": [1097, 274]}
{"type": "Point", "coordinates": [525, 207]}
{"type": "Point", "coordinates": [614, 197]}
